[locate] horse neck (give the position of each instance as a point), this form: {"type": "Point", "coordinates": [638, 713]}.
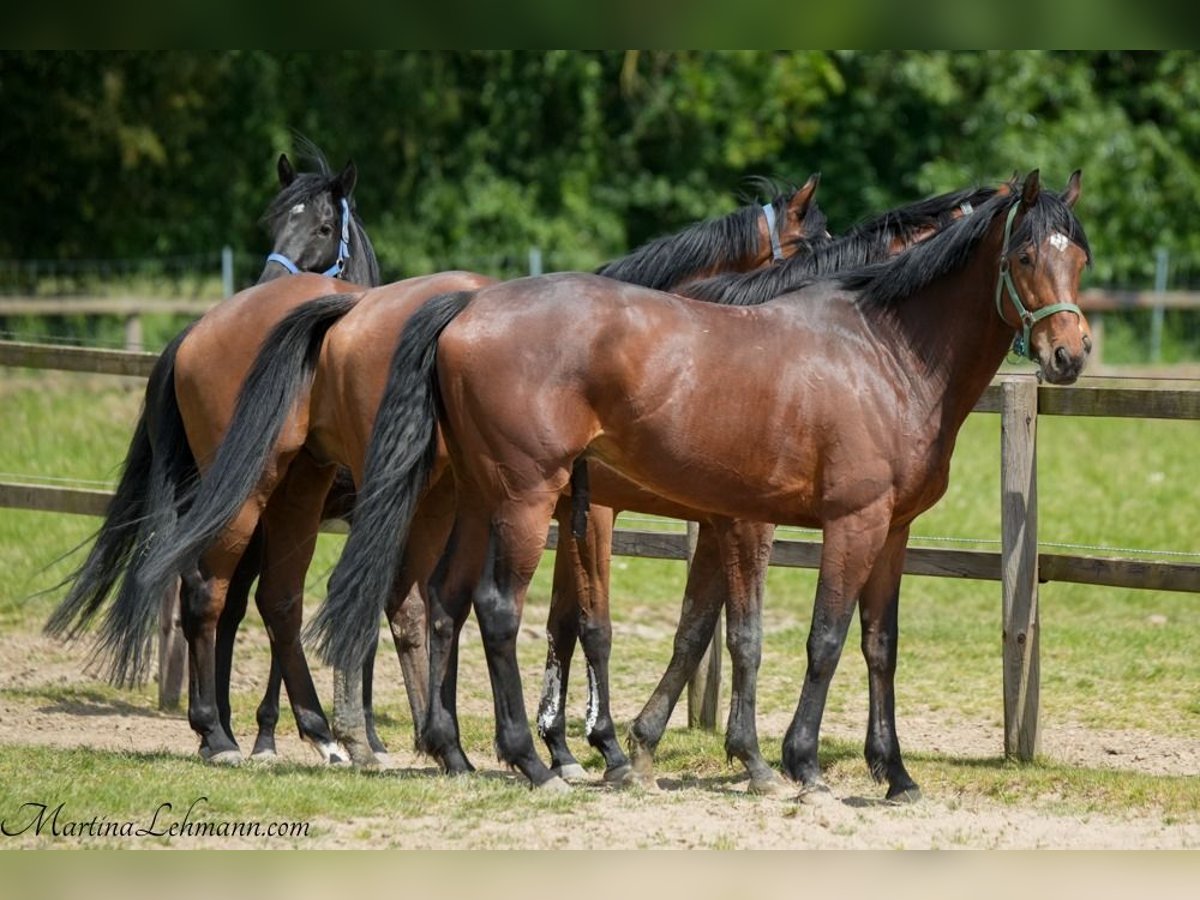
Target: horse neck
{"type": "Point", "coordinates": [951, 339]}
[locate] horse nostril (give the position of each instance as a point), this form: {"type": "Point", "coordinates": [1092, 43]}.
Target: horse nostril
{"type": "Point", "coordinates": [1087, 344]}
{"type": "Point", "coordinates": [1062, 358]}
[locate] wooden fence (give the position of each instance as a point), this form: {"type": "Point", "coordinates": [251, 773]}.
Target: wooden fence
{"type": "Point", "coordinates": [131, 309]}
{"type": "Point", "coordinates": [1018, 566]}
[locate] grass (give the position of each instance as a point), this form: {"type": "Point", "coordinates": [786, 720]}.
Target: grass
{"type": "Point", "coordinates": [1110, 658]}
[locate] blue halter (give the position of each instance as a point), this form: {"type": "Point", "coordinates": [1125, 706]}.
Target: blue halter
{"type": "Point", "coordinates": [776, 249]}
{"type": "Point", "coordinates": [339, 265]}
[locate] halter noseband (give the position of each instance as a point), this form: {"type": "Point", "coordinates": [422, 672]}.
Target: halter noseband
{"type": "Point", "coordinates": [1022, 344]}
{"type": "Point", "coordinates": [339, 265]}
{"type": "Point", "coordinates": [776, 249]}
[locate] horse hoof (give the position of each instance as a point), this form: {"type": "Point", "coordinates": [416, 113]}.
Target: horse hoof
{"type": "Point", "coordinates": [333, 753]}
{"type": "Point", "coordinates": [639, 781]}
{"type": "Point", "coordinates": [224, 758]}
{"type": "Point", "coordinates": [554, 785]}
{"type": "Point", "coordinates": [618, 775]}
{"type": "Point", "coordinates": [571, 772]}
{"type": "Point", "coordinates": [816, 795]}
{"type": "Point", "coordinates": [905, 796]}
{"type": "Point", "coordinates": [770, 786]}
{"type": "Point", "coordinates": [384, 760]}
{"type": "Point", "coordinates": [265, 757]}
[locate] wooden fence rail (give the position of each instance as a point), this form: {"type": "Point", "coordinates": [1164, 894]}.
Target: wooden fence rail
{"type": "Point", "coordinates": [132, 308]}
{"type": "Point", "coordinates": [1018, 566]}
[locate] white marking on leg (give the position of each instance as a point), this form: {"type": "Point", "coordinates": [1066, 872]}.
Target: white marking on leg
{"type": "Point", "coordinates": [593, 707]}
{"type": "Point", "coordinates": [551, 691]}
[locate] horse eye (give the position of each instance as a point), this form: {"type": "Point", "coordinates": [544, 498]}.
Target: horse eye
{"type": "Point", "coordinates": [1024, 259]}
{"type": "Point", "coordinates": [326, 230]}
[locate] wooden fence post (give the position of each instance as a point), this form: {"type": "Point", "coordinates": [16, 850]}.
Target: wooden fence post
{"type": "Point", "coordinates": [1019, 565]}
{"type": "Point", "coordinates": [172, 652]}
{"type": "Point", "coordinates": [704, 690]}
{"type": "Point", "coordinates": [133, 331]}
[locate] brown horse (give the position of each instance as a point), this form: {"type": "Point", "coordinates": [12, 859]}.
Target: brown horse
{"type": "Point", "coordinates": [288, 499]}
{"type": "Point", "coordinates": [340, 409]}
{"type": "Point", "coordinates": [835, 406]}
{"type": "Point", "coordinates": [314, 228]}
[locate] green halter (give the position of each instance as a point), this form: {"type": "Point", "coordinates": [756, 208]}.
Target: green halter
{"type": "Point", "coordinates": [1021, 344]}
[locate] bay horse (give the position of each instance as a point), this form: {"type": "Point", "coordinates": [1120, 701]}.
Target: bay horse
{"type": "Point", "coordinates": [315, 228]}
{"type": "Point", "coordinates": [834, 406]}
{"type": "Point", "coordinates": [267, 434]}
{"type": "Point", "coordinates": [288, 503]}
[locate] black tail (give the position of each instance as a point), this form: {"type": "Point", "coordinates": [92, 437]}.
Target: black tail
{"type": "Point", "coordinates": [157, 474]}
{"type": "Point", "coordinates": [285, 363]}
{"type": "Point", "coordinates": [399, 461]}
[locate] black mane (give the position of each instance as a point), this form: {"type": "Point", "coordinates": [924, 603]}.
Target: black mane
{"type": "Point", "coordinates": [887, 284]}
{"type": "Point", "coordinates": [866, 243]}
{"type": "Point", "coordinates": [664, 261]}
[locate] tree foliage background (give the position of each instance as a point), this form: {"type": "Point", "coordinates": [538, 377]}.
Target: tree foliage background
{"type": "Point", "coordinates": [470, 158]}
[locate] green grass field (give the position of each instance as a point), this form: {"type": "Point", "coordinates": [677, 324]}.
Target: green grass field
{"type": "Point", "coordinates": [1111, 659]}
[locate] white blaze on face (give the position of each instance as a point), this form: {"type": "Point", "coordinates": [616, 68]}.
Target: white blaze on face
{"type": "Point", "coordinates": [297, 209]}
{"type": "Point", "coordinates": [1059, 241]}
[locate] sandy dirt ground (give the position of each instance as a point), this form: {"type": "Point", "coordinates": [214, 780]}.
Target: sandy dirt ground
{"type": "Point", "coordinates": [685, 812]}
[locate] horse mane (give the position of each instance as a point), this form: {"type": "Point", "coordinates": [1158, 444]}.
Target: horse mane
{"type": "Point", "coordinates": [664, 261]}
{"type": "Point", "coordinates": [363, 266]}
{"type": "Point", "coordinates": [887, 284]}
{"type": "Point", "coordinates": [868, 242]}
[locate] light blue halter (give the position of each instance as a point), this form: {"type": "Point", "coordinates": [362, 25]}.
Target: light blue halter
{"type": "Point", "coordinates": [1022, 345]}
{"type": "Point", "coordinates": [776, 248]}
{"type": "Point", "coordinates": [339, 265]}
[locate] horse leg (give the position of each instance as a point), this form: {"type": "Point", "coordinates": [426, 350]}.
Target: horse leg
{"type": "Point", "coordinates": [291, 521]}
{"type": "Point", "coordinates": [202, 596]}
{"type": "Point", "coordinates": [746, 552]}
{"type": "Point", "coordinates": [449, 595]}
{"type": "Point", "coordinates": [374, 741]}
{"type": "Point", "coordinates": [595, 636]}
{"type": "Point", "coordinates": [236, 599]}
{"type": "Point", "coordinates": [851, 545]}
{"type": "Point", "coordinates": [406, 610]}
{"type": "Point", "coordinates": [562, 632]}
{"type": "Point", "coordinates": [516, 536]}
{"type": "Point", "coordinates": [879, 613]}
{"type": "Point", "coordinates": [702, 601]}
{"type": "Point", "coordinates": [267, 715]}
{"type": "Point", "coordinates": [579, 611]}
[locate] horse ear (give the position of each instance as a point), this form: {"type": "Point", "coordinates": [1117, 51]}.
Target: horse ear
{"type": "Point", "coordinates": [347, 178]}
{"type": "Point", "coordinates": [1071, 194]}
{"type": "Point", "coordinates": [286, 173]}
{"type": "Point", "coordinates": [1033, 185]}
{"type": "Point", "coordinates": [803, 197]}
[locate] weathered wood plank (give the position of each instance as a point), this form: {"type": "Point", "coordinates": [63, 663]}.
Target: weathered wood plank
{"type": "Point", "coordinates": [1019, 552]}
{"type": "Point", "coordinates": [76, 359]}
{"type": "Point", "coordinates": [1138, 403]}
{"type": "Point", "coordinates": [1127, 573]}
{"type": "Point", "coordinates": [45, 498]}
{"type": "Point", "coordinates": [1108, 299]}
{"type": "Point", "coordinates": [101, 306]}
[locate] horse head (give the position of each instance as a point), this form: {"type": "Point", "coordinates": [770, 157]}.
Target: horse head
{"type": "Point", "coordinates": [1043, 254]}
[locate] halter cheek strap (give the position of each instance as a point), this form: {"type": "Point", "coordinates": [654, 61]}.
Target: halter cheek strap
{"type": "Point", "coordinates": [1022, 345]}
{"type": "Point", "coordinates": [776, 248]}
{"type": "Point", "coordinates": [339, 265]}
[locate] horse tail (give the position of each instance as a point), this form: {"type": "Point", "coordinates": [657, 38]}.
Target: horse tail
{"type": "Point", "coordinates": [399, 462]}
{"type": "Point", "coordinates": [155, 476]}
{"type": "Point", "coordinates": [268, 396]}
